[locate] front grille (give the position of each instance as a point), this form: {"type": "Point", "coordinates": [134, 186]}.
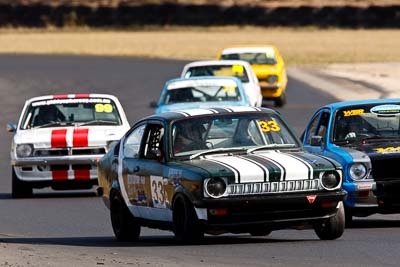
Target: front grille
{"type": "Point", "coordinates": [61, 167]}
{"type": "Point", "coordinates": [51, 152]}
{"type": "Point", "coordinates": [88, 151]}
{"type": "Point", "coordinates": [385, 169]}
{"type": "Point", "coordinates": [273, 187]}
{"type": "Point", "coordinates": [58, 152]}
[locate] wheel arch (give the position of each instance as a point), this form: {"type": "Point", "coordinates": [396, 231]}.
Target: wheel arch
{"type": "Point", "coordinates": [181, 191]}
{"type": "Point", "coordinates": [114, 189]}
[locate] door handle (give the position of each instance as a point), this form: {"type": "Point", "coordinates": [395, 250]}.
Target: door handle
{"type": "Point", "coordinates": [136, 169]}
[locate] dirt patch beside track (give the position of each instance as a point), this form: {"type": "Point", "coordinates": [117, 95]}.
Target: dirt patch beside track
{"type": "Point", "coordinates": [298, 46]}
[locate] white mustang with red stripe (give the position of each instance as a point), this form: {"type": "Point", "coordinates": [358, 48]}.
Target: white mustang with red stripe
{"type": "Point", "coordinates": [59, 138]}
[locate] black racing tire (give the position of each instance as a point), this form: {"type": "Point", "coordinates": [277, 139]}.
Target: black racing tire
{"type": "Point", "coordinates": [19, 189]}
{"type": "Point", "coordinates": [332, 228]}
{"type": "Point", "coordinates": [260, 232]}
{"type": "Point", "coordinates": [281, 101]}
{"type": "Point", "coordinates": [124, 224]}
{"type": "Point", "coordinates": [186, 225]}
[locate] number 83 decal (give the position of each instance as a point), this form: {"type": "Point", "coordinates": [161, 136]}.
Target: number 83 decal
{"type": "Point", "coordinates": [267, 126]}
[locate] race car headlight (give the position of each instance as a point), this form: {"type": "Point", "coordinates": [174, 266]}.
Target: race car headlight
{"type": "Point", "coordinates": [215, 187]}
{"type": "Point", "coordinates": [24, 150]}
{"type": "Point", "coordinates": [358, 171]}
{"type": "Point", "coordinates": [330, 180]}
{"type": "Point", "coordinates": [272, 78]}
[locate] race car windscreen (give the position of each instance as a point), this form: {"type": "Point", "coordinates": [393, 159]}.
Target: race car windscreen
{"type": "Point", "coordinates": [190, 136]}
{"type": "Point", "coordinates": [219, 70]}
{"type": "Point", "coordinates": [252, 58]}
{"type": "Point", "coordinates": [367, 122]}
{"type": "Point", "coordinates": [210, 93]}
{"type": "Point", "coordinates": [71, 111]}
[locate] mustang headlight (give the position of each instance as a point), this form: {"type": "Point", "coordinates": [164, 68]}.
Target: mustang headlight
{"type": "Point", "coordinates": [215, 187]}
{"type": "Point", "coordinates": [358, 171]}
{"type": "Point", "coordinates": [330, 180]}
{"type": "Point", "coordinates": [24, 150]}
{"type": "Point", "coordinates": [272, 78]}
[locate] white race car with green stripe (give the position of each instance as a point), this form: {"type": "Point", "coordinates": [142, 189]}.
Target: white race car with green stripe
{"type": "Point", "coordinates": [234, 169]}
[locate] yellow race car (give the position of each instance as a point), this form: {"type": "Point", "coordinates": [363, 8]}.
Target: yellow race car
{"type": "Point", "coordinates": [269, 67]}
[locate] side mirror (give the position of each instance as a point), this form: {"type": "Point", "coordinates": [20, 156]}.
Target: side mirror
{"type": "Point", "coordinates": [11, 127]}
{"type": "Point", "coordinates": [153, 104]}
{"type": "Point", "coordinates": [316, 140]}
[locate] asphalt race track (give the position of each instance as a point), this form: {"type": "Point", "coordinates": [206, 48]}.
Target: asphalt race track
{"type": "Point", "coordinates": [79, 220]}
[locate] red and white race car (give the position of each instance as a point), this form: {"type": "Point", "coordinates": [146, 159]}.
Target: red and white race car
{"type": "Point", "coordinates": [59, 138]}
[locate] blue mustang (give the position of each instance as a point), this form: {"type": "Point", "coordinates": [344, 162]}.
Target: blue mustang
{"type": "Point", "coordinates": [364, 136]}
{"type": "Point", "coordinates": [201, 92]}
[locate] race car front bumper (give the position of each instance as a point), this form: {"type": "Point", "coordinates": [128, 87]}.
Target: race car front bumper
{"type": "Point", "coordinates": [83, 159]}
{"type": "Point", "coordinates": [360, 194]}
{"type": "Point", "coordinates": [271, 91]}
{"type": "Point", "coordinates": [241, 214]}
{"type": "Point", "coordinates": [361, 198]}
{"type": "Point", "coordinates": [36, 169]}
